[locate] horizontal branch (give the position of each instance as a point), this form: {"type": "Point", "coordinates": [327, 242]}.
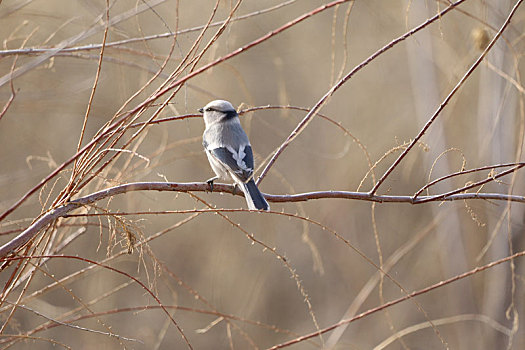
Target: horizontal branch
{"type": "Point", "coordinates": [61, 211]}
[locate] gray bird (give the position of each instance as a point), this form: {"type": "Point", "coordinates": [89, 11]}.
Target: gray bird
{"type": "Point", "coordinates": [229, 151]}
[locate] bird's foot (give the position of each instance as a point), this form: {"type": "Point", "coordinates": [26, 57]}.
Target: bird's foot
{"type": "Point", "coordinates": [235, 188]}
{"type": "Point", "coordinates": [210, 182]}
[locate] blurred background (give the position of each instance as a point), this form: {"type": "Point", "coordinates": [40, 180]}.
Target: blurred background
{"type": "Point", "coordinates": [300, 272]}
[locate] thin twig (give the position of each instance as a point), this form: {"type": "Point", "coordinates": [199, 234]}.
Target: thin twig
{"type": "Point", "coordinates": [89, 47]}
{"type": "Point", "coordinates": [8, 103]}
{"type": "Point", "coordinates": [447, 99]}
{"type": "Point", "coordinates": [463, 172]}
{"type": "Point", "coordinates": [116, 123]}
{"type": "Point", "coordinates": [93, 90]}
{"type": "Point", "coordinates": [70, 325]}
{"type": "Point", "coordinates": [92, 262]}
{"type": "Point", "coordinates": [444, 321]}
{"type": "Point", "coordinates": [470, 186]}
{"type": "Point", "coordinates": [399, 300]}
{"type": "Point", "coordinates": [306, 120]}
{"type": "Point", "coordinates": [67, 42]}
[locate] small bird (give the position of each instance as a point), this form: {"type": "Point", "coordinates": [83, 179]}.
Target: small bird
{"type": "Point", "coordinates": [229, 151]}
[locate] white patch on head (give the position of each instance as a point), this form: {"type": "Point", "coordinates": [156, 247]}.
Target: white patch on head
{"type": "Point", "coordinates": [220, 105]}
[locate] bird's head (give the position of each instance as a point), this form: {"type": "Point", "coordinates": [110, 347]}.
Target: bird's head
{"type": "Point", "coordinates": [218, 110]}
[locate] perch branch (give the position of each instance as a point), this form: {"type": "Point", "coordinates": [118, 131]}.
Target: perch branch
{"type": "Point", "coordinates": [60, 211]}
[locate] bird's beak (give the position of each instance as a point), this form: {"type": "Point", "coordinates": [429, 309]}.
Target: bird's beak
{"type": "Point", "coordinates": [201, 110]}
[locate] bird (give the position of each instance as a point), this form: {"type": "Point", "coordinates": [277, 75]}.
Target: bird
{"type": "Point", "coordinates": [229, 151]}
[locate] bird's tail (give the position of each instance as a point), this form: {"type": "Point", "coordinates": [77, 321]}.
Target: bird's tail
{"type": "Point", "coordinates": [254, 197]}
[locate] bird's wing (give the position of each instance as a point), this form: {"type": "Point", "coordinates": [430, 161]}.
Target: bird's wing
{"type": "Point", "coordinates": [238, 162]}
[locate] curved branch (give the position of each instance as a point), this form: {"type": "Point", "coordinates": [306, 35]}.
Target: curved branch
{"type": "Point", "coordinates": [61, 211]}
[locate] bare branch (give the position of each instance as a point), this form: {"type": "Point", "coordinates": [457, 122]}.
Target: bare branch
{"type": "Point", "coordinates": [89, 47]}
{"type": "Point", "coordinates": [62, 210]}
{"type": "Point", "coordinates": [447, 99]}
{"type": "Point", "coordinates": [136, 280]}
{"type": "Point", "coordinates": [161, 93]}
{"type": "Point", "coordinates": [401, 299]}
{"type": "Point", "coordinates": [70, 325]}
{"type": "Point", "coordinates": [469, 171]}
{"type": "Point", "coordinates": [306, 120]}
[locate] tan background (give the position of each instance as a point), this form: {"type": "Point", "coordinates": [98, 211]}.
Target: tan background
{"type": "Point", "coordinates": [384, 106]}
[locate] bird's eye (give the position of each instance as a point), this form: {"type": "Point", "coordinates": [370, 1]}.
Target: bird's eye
{"type": "Point", "coordinates": [209, 109]}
